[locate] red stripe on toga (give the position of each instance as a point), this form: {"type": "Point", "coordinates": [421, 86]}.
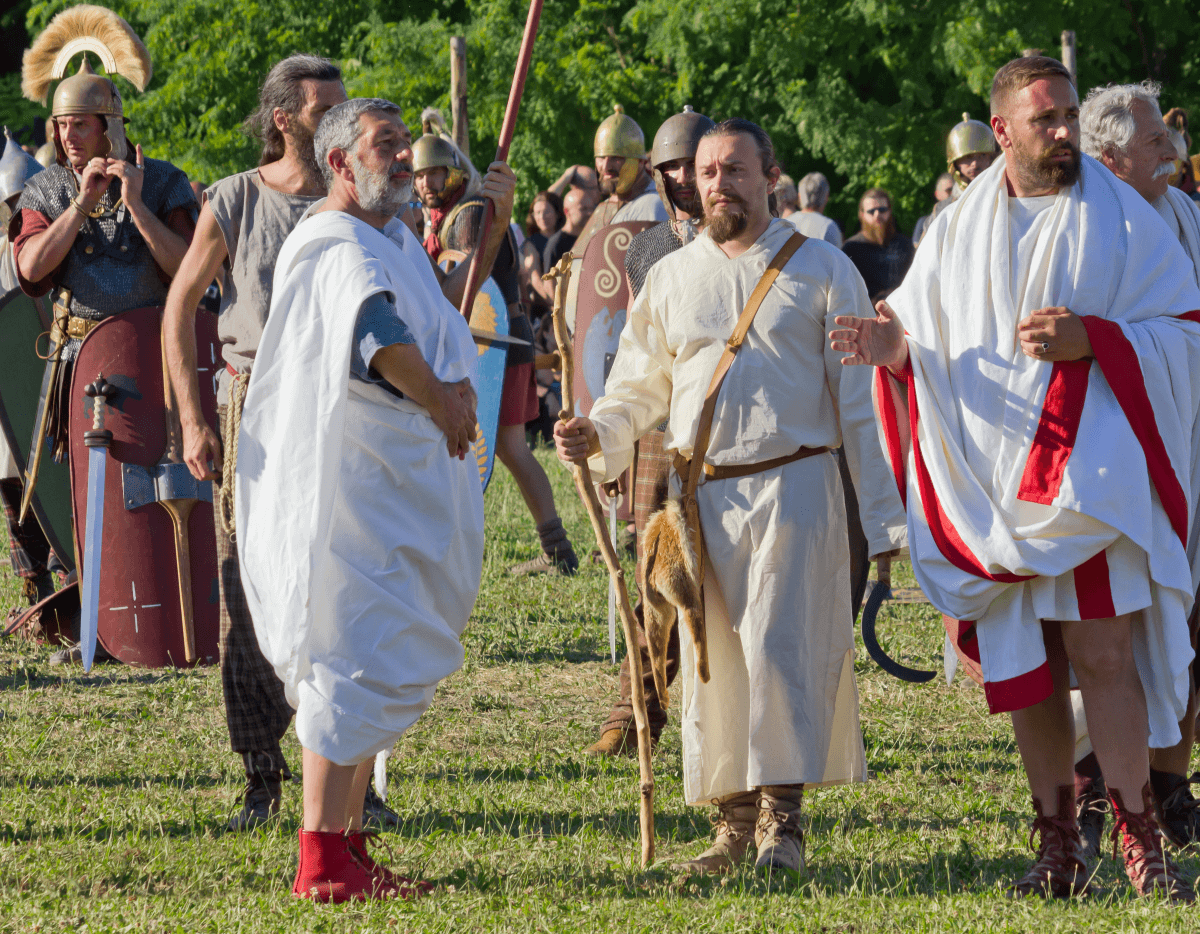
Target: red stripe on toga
{"type": "Point", "coordinates": [1119, 363]}
{"type": "Point", "coordinates": [1055, 436]}
{"type": "Point", "coordinates": [885, 402]}
{"type": "Point", "coordinates": [949, 542]}
{"type": "Point", "coordinates": [1093, 588]}
{"type": "Point", "coordinates": [1025, 690]}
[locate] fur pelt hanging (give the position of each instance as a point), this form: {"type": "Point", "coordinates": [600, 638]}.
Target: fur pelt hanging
{"type": "Point", "coordinates": [84, 28]}
{"type": "Point", "coordinates": [672, 592]}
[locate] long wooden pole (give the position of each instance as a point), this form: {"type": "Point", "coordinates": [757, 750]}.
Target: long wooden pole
{"type": "Point", "coordinates": [475, 274]}
{"type": "Point", "coordinates": [587, 492]}
{"type": "Point", "coordinates": [458, 93]}
{"type": "Point", "coordinates": [1068, 54]}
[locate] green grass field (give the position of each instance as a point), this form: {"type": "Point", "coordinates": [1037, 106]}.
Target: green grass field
{"type": "Point", "coordinates": [115, 788]}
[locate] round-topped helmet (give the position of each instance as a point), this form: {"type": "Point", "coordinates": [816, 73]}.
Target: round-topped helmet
{"type": "Point", "coordinates": [677, 138]}
{"type": "Point", "coordinates": [968, 138]}
{"type": "Point", "coordinates": [619, 135]}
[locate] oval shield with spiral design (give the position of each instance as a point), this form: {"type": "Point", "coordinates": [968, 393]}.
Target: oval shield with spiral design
{"type": "Point", "coordinates": [602, 303]}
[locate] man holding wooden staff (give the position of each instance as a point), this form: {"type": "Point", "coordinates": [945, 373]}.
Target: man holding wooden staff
{"type": "Point", "coordinates": [780, 708]}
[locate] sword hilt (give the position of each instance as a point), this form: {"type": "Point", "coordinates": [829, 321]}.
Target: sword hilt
{"type": "Point", "coordinates": [99, 392]}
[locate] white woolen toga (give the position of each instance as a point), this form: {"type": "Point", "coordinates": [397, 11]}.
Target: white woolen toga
{"type": "Point", "coordinates": [360, 538]}
{"type": "Point", "coordinates": [781, 707]}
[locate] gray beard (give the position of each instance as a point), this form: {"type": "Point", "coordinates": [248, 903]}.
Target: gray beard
{"type": "Point", "coordinates": [375, 195]}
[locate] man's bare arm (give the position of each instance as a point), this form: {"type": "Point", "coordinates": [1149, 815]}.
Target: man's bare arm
{"type": "Point", "coordinates": [451, 405]}
{"type": "Point", "coordinates": [42, 254]}
{"type": "Point", "coordinates": [198, 268]}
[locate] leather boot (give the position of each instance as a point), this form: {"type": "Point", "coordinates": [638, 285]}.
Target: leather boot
{"type": "Point", "coordinates": [1177, 810]}
{"type": "Point", "coordinates": [734, 826]}
{"type": "Point", "coordinates": [263, 792]}
{"type": "Point", "coordinates": [331, 871]}
{"type": "Point", "coordinates": [557, 554]}
{"type": "Point", "coordinates": [777, 834]}
{"type": "Point", "coordinates": [1149, 867]}
{"type": "Point", "coordinates": [1059, 871]}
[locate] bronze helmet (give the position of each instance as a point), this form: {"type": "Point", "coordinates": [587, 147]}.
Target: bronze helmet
{"type": "Point", "coordinates": [84, 29]}
{"type": "Point", "coordinates": [431, 151]}
{"type": "Point", "coordinates": [619, 135]}
{"type": "Point", "coordinates": [967, 139]}
{"type": "Point", "coordinates": [677, 138]}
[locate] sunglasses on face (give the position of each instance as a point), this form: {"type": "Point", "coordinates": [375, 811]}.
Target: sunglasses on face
{"type": "Point", "coordinates": [877, 211]}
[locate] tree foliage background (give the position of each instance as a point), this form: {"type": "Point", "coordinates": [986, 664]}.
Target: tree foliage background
{"type": "Point", "coordinates": [864, 90]}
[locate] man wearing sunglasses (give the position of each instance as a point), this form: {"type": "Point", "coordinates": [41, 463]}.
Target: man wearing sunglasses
{"type": "Point", "coordinates": [879, 251]}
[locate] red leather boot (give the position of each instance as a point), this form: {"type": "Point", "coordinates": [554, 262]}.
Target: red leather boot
{"type": "Point", "coordinates": [331, 870]}
{"type": "Point", "coordinates": [1149, 866]}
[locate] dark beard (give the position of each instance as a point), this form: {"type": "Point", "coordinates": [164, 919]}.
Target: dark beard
{"type": "Point", "coordinates": [307, 154]}
{"type": "Point", "coordinates": [692, 206]}
{"type": "Point", "coordinates": [723, 227]}
{"type": "Point", "coordinates": [1041, 172]}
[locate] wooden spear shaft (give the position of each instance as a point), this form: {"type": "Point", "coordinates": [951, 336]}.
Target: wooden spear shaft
{"type": "Point", "coordinates": [587, 492]}
{"type": "Point", "coordinates": [475, 274]}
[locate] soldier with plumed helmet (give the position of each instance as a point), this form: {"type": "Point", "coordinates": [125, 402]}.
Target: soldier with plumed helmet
{"type": "Point", "coordinates": [104, 229]}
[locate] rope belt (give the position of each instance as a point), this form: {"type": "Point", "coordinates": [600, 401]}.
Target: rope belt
{"type": "Point", "coordinates": [229, 441]}
{"type": "Point", "coordinates": [683, 466]}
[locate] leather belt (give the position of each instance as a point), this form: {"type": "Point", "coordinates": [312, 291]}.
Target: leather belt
{"type": "Point", "coordinates": [683, 465]}
{"type": "Point", "coordinates": [77, 328]}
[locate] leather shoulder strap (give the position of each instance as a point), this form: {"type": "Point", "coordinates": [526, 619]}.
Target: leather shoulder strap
{"type": "Point", "coordinates": [732, 346]}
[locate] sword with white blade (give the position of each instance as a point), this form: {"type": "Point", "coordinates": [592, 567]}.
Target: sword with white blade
{"type": "Point", "coordinates": [98, 441]}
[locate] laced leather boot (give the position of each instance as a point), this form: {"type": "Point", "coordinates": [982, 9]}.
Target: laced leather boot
{"type": "Point", "coordinates": [557, 554]}
{"type": "Point", "coordinates": [777, 834]}
{"type": "Point", "coordinates": [1177, 810]}
{"type": "Point", "coordinates": [1149, 867]}
{"type": "Point", "coordinates": [1059, 871]}
{"type": "Point", "coordinates": [734, 826]}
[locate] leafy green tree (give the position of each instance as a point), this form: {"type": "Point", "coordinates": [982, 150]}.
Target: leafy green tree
{"type": "Point", "coordinates": [863, 90]}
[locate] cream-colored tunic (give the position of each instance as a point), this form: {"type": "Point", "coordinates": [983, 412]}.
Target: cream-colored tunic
{"type": "Point", "coordinates": [781, 707]}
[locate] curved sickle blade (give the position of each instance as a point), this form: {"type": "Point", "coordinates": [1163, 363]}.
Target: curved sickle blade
{"type": "Point", "coordinates": [879, 593]}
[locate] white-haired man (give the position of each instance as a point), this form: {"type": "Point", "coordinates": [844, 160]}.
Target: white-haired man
{"type": "Point", "coordinates": [812, 195]}
{"type": "Point", "coordinates": [359, 520]}
{"type": "Point", "coordinates": [1122, 126]}
{"type": "Point", "coordinates": [1045, 452]}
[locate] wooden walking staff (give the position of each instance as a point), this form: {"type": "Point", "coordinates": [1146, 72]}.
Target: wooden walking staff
{"type": "Point", "coordinates": [475, 275]}
{"type": "Point", "coordinates": [587, 492]}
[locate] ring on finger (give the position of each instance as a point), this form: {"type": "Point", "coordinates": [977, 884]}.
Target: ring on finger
{"type": "Point", "coordinates": [1045, 346]}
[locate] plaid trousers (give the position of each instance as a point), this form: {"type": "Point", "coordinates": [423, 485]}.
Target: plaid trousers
{"type": "Point", "coordinates": [28, 548]}
{"type": "Point", "coordinates": [256, 710]}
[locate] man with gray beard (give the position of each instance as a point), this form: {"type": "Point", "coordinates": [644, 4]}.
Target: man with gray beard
{"type": "Point", "coordinates": [1122, 126]}
{"type": "Point", "coordinates": [359, 516]}
{"type": "Point", "coordinates": [243, 222]}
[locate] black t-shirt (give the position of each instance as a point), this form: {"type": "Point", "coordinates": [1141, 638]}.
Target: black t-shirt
{"type": "Point", "coordinates": [882, 267]}
{"type": "Point", "coordinates": [555, 247]}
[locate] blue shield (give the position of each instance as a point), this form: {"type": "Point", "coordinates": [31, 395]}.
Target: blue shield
{"type": "Point", "coordinates": [489, 313]}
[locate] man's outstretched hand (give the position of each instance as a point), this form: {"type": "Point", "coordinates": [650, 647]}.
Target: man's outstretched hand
{"type": "Point", "coordinates": [576, 440]}
{"type": "Point", "coordinates": [877, 341]}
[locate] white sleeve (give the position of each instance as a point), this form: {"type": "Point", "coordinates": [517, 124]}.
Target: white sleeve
{"type": "Point", "coordinates": [637, 394]}
{"type": "Point", "coordinates": [882, 514]}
